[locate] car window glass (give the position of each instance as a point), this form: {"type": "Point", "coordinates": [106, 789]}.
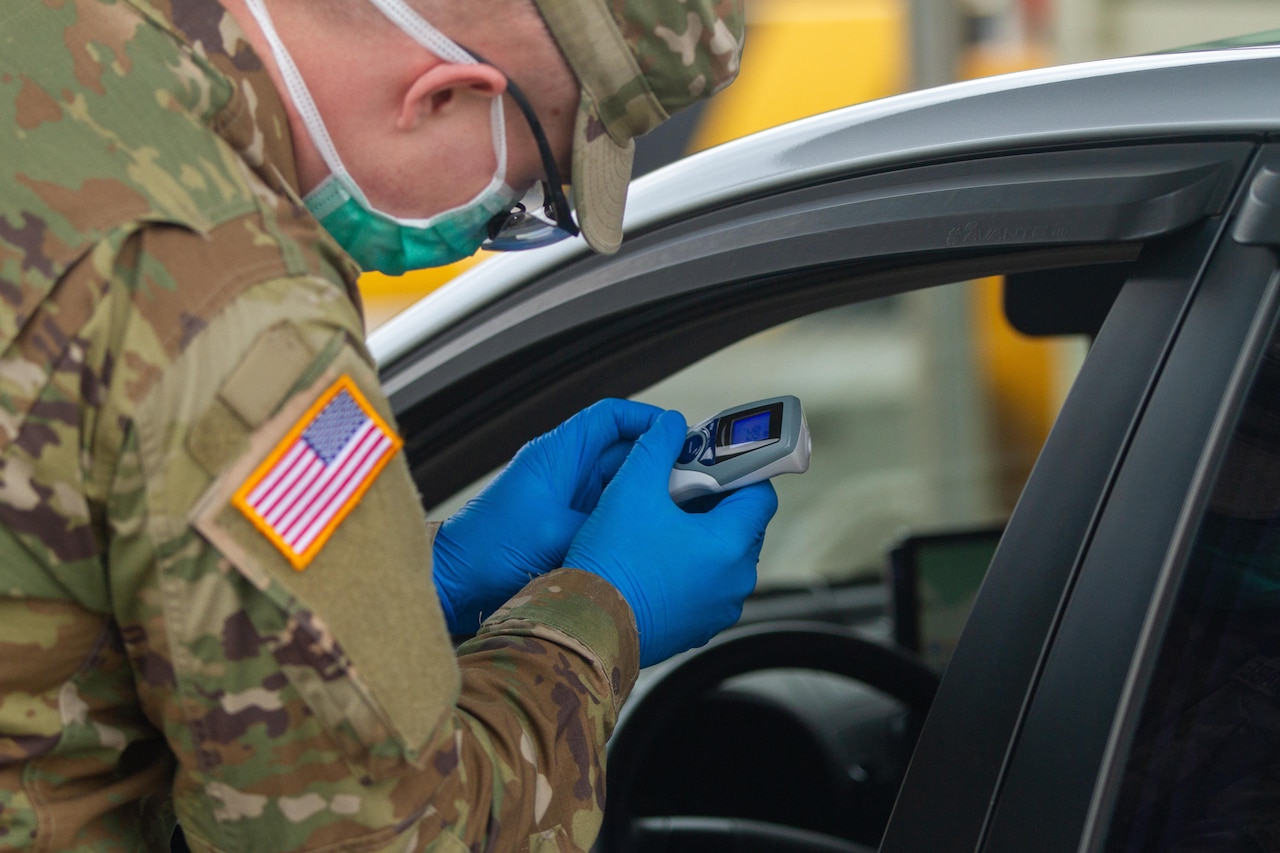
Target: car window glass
{"type": "Point", "coordinates": [926, 411]}
{"type": "Point", "coordinates": [1204, 769]}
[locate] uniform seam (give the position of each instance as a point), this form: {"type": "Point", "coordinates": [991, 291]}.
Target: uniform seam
{"type": "Point", "coordinates": [370, 842]}
{"type": "Point", "coordinates": [167, 528]}
{"type": "Point", "coordinates": [233, 109]}
{"type": "Point", "coordinates": [178, 654]}
{"type": "Point", "coordinates": [46, 824]}
{"type": "Point", "coordinates": [237, 281]}
{"type": "Point", "coordinates": [46, 820]}
{"type": "Point", "coordinates": [242, 281]}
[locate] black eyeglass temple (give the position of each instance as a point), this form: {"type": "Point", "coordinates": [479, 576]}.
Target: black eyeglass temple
{"type": "Point", "coordinates": [555, 187]}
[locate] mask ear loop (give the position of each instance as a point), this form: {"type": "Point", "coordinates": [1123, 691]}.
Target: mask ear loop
{"type": "Point", "coordinates": [302, 99]}
{"type": "Point", "coordinates": [424, 34]}
{"type": "Point", "coordinates": [417, 28]}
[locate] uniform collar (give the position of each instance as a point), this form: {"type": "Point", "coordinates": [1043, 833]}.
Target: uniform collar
{"type": "Point", "coordinates": [253, 119]}
{"type": "Point", "coordinates": [250, 116]}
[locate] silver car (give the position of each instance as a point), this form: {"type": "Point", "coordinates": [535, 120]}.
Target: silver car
{"type": "Point", "coordinates": [966, 636]}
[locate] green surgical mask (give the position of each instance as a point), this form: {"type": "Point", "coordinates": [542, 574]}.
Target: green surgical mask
{"type": "Point", "coordinates": [375, 239]}
{"type": "Point", "coordinates": [394, 246]}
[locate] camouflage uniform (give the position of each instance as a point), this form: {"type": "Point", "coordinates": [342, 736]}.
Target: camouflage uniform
{"type": "Point", "coordinates": [170, 312]}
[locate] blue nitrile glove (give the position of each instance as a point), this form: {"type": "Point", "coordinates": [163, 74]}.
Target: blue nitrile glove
{"type": "Point", "coordinates": [522, 523]}
{"type": "Point", "coordinates": [684, 574]}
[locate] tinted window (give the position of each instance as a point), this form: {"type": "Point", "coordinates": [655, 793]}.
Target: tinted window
{"type": "Point", "coordinates": [1204, 771]}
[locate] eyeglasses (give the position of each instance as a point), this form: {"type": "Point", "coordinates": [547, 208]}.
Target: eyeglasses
{"type": "Point", "coordinates": [543, 216]}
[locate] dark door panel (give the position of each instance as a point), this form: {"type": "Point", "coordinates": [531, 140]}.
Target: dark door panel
{"type": "Point", "coordinates": [958, 761]}
{"type": "Point", "coordinates": [1046, 793]}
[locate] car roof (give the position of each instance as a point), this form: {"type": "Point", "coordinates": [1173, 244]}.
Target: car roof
{"type": "Point", "coordinates": [1148, 97]}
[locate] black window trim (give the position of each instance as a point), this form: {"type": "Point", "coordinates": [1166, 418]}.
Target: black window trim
{"type": "Point", "coordinates": [1104, 194]}
{"type": "Point", "coordinates": [455, 396]}
{"type": "Point", "coordinates": [474, 423]}
{"type": "Point", "coordinates": [960, 759]}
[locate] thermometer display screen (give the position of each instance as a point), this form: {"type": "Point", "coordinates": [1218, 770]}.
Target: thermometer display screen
{"type": "Point", "coordinates": [751, 428]}
{"type": "Point", "coordinates": [741, 446]}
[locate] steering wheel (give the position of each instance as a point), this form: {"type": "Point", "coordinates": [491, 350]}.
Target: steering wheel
{"type": "Point", "coordinates": [778, 645]}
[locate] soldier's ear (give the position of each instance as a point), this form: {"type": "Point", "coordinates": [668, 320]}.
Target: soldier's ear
{"type": "Point", "coordinates": [444, 88]}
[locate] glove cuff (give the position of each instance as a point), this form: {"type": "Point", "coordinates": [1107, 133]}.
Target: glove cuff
{"type": "Point", "coordinates": [438, 576]}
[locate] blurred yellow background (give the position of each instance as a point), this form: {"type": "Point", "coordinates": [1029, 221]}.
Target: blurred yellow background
{"type": "Point", "coordinates": [804, 57]}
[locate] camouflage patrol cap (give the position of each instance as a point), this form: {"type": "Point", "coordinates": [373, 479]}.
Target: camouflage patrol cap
{"type": "Point", "coordinates": [637, 62]}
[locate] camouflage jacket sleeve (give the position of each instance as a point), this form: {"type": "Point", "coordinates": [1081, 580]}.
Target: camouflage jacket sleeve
{"type": "Point", "coordinates": [308, 687]}
{"type": "Point", "coordinates": [172, 322]}
{"type": "Point", "coordinates": [309, 692]}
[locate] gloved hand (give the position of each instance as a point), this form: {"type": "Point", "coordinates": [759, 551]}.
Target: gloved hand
{"type": "Point", "coordinates": [684, 574]}
{"type": "Point", "coordinates": [522, 523]}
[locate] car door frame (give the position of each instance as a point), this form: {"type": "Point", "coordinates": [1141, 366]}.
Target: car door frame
{"type": "Point", "coordinates": [1216, 298]}
{"type": "Point", "coordinates": [611, 325]}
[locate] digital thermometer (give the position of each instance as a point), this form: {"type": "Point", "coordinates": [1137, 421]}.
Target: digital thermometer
{"type": "Point", "coordinates": [741, 446]}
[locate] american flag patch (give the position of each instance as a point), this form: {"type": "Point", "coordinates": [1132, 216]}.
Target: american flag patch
{"type": "Point", "coordinates": [318, 472]}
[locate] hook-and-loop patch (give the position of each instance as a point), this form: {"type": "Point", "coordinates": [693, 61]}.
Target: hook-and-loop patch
{"type": "Point", "coordinates": [318, 472]}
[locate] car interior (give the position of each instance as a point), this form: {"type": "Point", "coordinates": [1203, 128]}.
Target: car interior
{"type": "Point", "coordinates": [918, 407]}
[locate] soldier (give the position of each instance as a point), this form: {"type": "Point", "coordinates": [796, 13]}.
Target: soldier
{"type": "Point", "coordinates": [216, 597]}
